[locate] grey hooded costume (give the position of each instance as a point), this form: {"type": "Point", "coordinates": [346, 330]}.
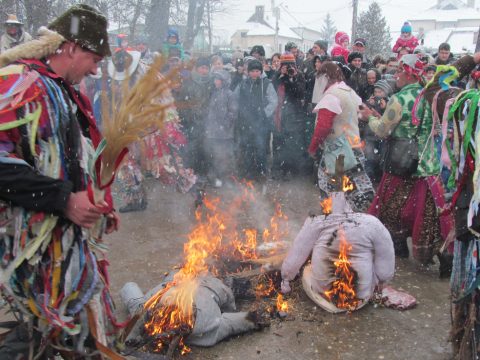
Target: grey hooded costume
{"type": "Point", "coordinates": [372, 255]}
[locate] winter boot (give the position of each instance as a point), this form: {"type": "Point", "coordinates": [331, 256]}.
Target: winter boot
{"type": "Point", "coordinates": [400, 246]}
{"type": "Point", "coordinates": [446, 264]}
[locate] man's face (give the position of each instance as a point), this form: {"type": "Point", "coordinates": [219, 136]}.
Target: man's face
{"type": "Point", "coordinates": [358, 47]}
{"type": "Point", "coordinates": [294, 51]}
{"type": "Point", "coordinates": [218, 83]}
{"type": "Point", "coordinates": [12, 29]}
{"type": "Point", "coordinates": [256, 55]}
{"type": "Point", "coordinates": [203, 70]}
{"type": "Point", "coordinates": [443, 55]}
{"type": "Point", "coordinates": [318, 50]}
{"type": "Point", "coordinates": [357, 62]}
{"type": "Point", "coordinates": [84, 63]}
{"type": "Point", "coordinates": [254, 74]}
{"type": "Point", "coordinates": [402, 78]}
{"type": "Point", "coordinates": [371, 78]}
{"type": "Point", "coordinates": [392, 65]}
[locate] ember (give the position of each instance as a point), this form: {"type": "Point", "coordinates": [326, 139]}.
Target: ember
{"type": "Point", "coordinates": [282, 305]}
{"type": "Point", "coordinates": [326, 205]}
{"type": "Point", "coordinates": [347, 185]}
{"type": "Point", "coordinates": [342, 293]}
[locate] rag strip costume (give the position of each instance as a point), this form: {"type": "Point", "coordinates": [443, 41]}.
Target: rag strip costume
{"type": "Point", "coordinates": [414, 205]}
{"type": "Point", "coordinates": [53, 272]}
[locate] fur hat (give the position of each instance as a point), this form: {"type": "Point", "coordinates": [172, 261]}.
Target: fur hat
{"type": "Point", "coordinates": [287, 58]}
{"type": "Point", "coordinates": [85, 26]}
{"type": "Point", "coordinates": [255, 65]}
{"type": "Point", "coordinates": [259, 49]}
{"type": "Point", "coordinates": [354, 55]}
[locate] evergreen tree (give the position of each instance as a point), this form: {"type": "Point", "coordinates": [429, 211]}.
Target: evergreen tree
{"type": "Point", "coordinates": [328, 30]}
{"type": "Point", "coordinates": [372, 26]}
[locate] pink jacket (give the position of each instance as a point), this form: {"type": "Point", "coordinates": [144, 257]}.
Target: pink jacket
{"type": "Point", "coordinates": [411, 43]}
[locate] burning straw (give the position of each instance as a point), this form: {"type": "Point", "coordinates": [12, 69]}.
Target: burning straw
{"type": "Point", "coordinates": [141, 109]}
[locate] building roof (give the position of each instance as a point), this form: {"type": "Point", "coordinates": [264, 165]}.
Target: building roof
{"type": "Point", "coordinates": [447, 15]}
{"type": "Point", "coordinates": [260, 29]}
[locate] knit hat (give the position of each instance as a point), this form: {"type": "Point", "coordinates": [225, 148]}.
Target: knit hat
{"type": "Point", "coordinates": [255, 65]}
{"type": "Point", "coordinates": [341, 37]}
{"type": "Point", "coordinates": [360, 41]}
{"type": "Point", "coordinates": [85, 26]}
{"type": "Point", "coordinates": [287, 58]}
{"type": "Point", "coordinates": [385, 86]}
{"type": "Point", "coordinates": [322, 44]}
{"type": "Point", "coordinates": [173, 33]}
{"type": "Point", "coordinates": [259, 49]}
{"type": "Point", "coordinates": [202, 61]}
{"type": "Point", "coordinates": [354, 55]}
{"type": "Point", "coordinates": [406, 28]}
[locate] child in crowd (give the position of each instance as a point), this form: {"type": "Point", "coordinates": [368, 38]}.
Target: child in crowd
{"type": "Point", "coordinates": [172, 42]}
{"type": "Point", "coordinates": [341, 45]}
{"type": "Point", "coordinates": [406, 43]}
{"type": "Point", "coordinates": [219, 129]}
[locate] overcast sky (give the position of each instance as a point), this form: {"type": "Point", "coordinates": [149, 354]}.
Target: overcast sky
{"type": "Point", "coordinates": [311, 13]}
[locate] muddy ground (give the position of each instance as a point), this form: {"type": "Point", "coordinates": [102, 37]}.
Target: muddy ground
{"type": "Point", "coordinates": [150, 243]}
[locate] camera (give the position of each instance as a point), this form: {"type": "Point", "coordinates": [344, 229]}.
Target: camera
{"type": "Point", "coordinates": [290, 70]}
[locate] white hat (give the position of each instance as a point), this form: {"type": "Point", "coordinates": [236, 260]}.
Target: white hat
{"type": "Point", "coordinates": [12, 19]}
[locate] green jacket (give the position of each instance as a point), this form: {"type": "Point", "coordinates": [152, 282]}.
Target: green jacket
{"type": "Point", "coordinates": [396, 122]}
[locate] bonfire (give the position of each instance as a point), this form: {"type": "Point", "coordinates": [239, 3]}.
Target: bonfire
{"type": "Point", "coordinates": [219, 246]}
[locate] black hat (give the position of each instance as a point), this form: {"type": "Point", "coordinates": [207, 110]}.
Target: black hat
{"type": "Point", "coordinates": [259, 49]}
{"type": "Point", "coordinates": [255, 65]}
{"type": "Point", "coordinates": [290, 45]}
{"type": "Point", "coordinates": [85, 26]}
{"type": "Point", "coordinates": [354, 55]}
{"type": "Point", "coordinates": [322, 44]}
{"type": "Point", "coordinates": [202, 61]}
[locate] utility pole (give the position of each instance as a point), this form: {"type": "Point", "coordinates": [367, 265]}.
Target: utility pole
{"type": "Point", "coordinates": [354, 19]}
{"type": "Point", "coordinates": [276, 14]}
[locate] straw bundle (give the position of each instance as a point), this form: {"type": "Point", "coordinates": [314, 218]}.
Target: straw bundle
{"type": "Point", "coordinates": [141, 109]}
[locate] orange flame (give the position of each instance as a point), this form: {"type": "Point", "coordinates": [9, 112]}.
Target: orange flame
{"type": "Point", "coordinates": [342, 293]}
{"type": "Point", "coordinates": [282, 305]}
{"type": "Point", "coordinates": [347, 184]}
{"type": "Point", "coordinates": [215, 235]}
{"type": "Point", "coordinates": [326, 205]}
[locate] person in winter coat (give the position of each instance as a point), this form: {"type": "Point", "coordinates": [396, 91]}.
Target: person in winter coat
{"type": "Point", "coordinates": [192, 101]}
{"type": "Point", "coordinates": [337, 131]}
{"type": "Point", "coordinates": [358, 76]}
{"type": "Point", "coordinates": [359, 45]}
{"type": "Point", "coordinates": [257, 101]}
{"type": "Point", "coordinates": [406, 43]}
{"type": "Point", "coordinates": [14, 34]}
{"type": "Point", "coordinates": [370, 251]}
{"type": "Point", "coordinates": [341, 45]}
{"type": "Point", "coordinates": [373, 75]}
{"type": "Point", "coordinates": [289, 151]}
{"type": "Point", "coordinates": [172, 42]}
{"type": "Point", "coordinates": [219, 129]}
{"type": "Point", "coordinates": [444, 55]}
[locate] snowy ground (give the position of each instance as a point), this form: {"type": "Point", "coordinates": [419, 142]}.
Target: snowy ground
{"type": "Point", "coordinates": [151, 242]}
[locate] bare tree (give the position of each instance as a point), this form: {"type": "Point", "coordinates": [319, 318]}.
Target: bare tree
{"type": "Point", "coordinates": [196, 10]}
{"type": "Point", "coordinates": [156, 22]}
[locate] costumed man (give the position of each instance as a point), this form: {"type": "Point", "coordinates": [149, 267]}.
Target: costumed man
{"type": "Point", "coordinates": [14, 34]}
{"type": "Point", "coordinates": [458, 152]}
{"type": "Point", "coordinates": [410, 200]}
{"type": "Point", "coordinates": [54, 270]}
{"type": "Point", "coordinates": [365, 242]}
